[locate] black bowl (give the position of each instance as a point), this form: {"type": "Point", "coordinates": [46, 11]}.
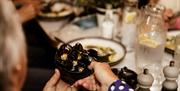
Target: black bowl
{"type": "Point", "coordinates": [71, 77]}
{"type": "Point", "coordinates": [70, 72]}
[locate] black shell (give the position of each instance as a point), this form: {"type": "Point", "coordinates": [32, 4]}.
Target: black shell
{"type": "Point", "coordinates": [93, 53]}
{"type": "Point", "coordinates": [128, 76]}
{"type": "Point", "coordinates": [78, 47]}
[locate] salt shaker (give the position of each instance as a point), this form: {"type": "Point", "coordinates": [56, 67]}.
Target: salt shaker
{"type": "Point", "coordinates": [171, 74]}
{"type": "Point", "coordinates": [108, 24]}
{"type": "Point", "coordinates": [145, 81]}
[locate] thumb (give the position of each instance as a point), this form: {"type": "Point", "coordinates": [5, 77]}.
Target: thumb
{"type": "Point", "coordinates": [54, 79]}
{"type": "Point", "coordinates": [92, 65]}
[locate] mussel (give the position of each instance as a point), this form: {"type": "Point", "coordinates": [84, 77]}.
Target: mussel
{"type": "Point", "coordinates": [128, 76]}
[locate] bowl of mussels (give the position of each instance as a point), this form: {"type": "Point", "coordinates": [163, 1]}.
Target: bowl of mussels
{"type": "Point", "coordinates": [73, 62]}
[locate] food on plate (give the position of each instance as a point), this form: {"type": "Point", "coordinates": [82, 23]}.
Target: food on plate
{"type": "Point", "coordinates": [73, 61]}
{"type": "Point", "coordinates": [170, 42]}
{"type": "Point", "coordinates": [103, 50]}
{"type": "Point", "coordinates": [102, 54]}
{"type": "Point", "coordinates": [55, 9]}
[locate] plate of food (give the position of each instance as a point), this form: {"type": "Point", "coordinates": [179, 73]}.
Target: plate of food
{"type": "Point", "coordinates": [55, 10]}
{"type": "Point", "coordinates": [106, 50]}
{"type": "Point", "coordinates": [170, 41]}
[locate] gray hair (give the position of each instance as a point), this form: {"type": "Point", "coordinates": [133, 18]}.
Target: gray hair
{"type": "Point", "coordinates": [12, 42]}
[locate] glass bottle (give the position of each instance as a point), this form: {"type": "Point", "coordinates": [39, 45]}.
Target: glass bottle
{"type": "Point", "coordinates": [108, 23]}
{"type": "Point", "coordinates": [128, 29]}
{"type": "Point", "coordinates": [150, 43]}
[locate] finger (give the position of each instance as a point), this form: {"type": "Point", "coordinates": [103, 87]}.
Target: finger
{"type": "Point", "coordinates": [87, 86]}
{"type": "Point", "coordinates": [54, 79]}
{"type": "Point", "coordinates": [80, 83]}
{"type": "Point", "coordinates": [75, 84]}
{"type": "Point", "coordinates": [92, 65]}
{"type": "Point", "coordinates": [89, 83]}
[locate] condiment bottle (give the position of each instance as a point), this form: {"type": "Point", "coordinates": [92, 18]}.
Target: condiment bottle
{"type": "Point", "coordinates": [108, 23]}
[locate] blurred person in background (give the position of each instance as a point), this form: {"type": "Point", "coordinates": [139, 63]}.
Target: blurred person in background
{"type": "Point", "coordinates": [172, 13]}
{"type": "Point", "coordinates": [13, 49]}
{"type": "Point", "coordinates": [40, 53]}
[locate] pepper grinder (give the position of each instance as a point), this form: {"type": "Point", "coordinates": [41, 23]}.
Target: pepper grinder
{"type": "Point", "coordinates": [145, 81]}
{"type": "Point", "coordinates": [171, 73]}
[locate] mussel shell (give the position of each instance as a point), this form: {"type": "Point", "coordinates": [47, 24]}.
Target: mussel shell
{"type": "Point", "coordinates": [73, 55]}
{"type": "Point", "coordinates": [93, 53]}
{"type": "Point", "coordinates": [86, 59]}
{"type": "Point", "coordinates": [115, 71]}
{"type": "Point", "coordinates": [64, 49]}
{"type": "Point", "coordinates": [78, 47]}
{"type": "Point", "coordinates": [128, 76]}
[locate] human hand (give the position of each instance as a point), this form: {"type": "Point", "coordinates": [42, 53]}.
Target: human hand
{"type": "Point", "coordinates": [29, 9]}
{"type": "Point", "coordinates": [102, 73]}
{"type": "Point", "coordinates": [88, 83]}
{"type": "Point", "coordinates": [56, 84]}
{"type": "Point", "coordinates": [167, 15]}
{"type": "Point", "coordinates": [27, 12]}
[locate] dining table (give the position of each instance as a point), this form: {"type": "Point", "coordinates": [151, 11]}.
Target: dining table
{"type": "Point", "coordinates": [66, 31]}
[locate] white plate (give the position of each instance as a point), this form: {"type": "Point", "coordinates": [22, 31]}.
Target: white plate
{"type": "Point", "coordinates": [105, 43]}
{"type": "Point", "coordinates": [66, 11]}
